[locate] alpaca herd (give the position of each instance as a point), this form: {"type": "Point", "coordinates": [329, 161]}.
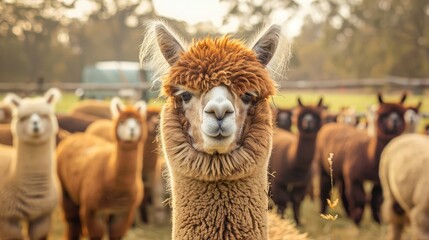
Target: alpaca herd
{"type": "Point", "coordinates": [217, 148]}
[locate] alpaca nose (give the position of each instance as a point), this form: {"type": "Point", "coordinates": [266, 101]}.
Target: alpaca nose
{"type": "Point", "coordinates": [219, 108]}
{"type": "Point", "coordinates": [35, 121]}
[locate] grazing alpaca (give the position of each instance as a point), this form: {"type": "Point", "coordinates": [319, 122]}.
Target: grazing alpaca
{"type": "Point", "coordinates": [357, 158]}
{"type": "Point", "coordinates": [95, 108]}
{"type": "Point", "coordinates": [283, 118]}
{"type": "Point", "coordinates": [291, 159]}
{"type": "Point", "coordinates": [28, 187]}
{"type": "Point", "coordinates": [216, 131]}
{"type": "Point", "coordinates": [116, 168]}
{"type": "Point", "coordinates": [103, 128]}
{"type": "Point", "coordinates": [404, 168]}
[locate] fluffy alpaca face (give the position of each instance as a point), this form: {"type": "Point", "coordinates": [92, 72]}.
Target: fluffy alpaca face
{"type": "Point", "coordinates": [412, 117]}
{"type": "Point", "coordinates": [390, 117]}
{"type": "Point", "coordinates": [284, 119]}
{"type": "Point", "coordinates": [391, 122]}
{"type": "Point", "coordinates": [128, 119]}
{"type": "Point", "coordinates": [216, 122]}
{"type": "Point", "coordinates": [129, 129]}
{"type": "Point", "coordinates": [215, 118]}
{"type": "Point", "coordinates": [309, 117]}
{"type": "Point", "coordinates": [34, 119]}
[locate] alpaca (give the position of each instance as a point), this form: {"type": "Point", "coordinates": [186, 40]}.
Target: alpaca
{"type": "Point", "coordinates": [6, 136]}
{"type": "Point", "coordinates": [95, 108]}
{"type": "Point", "coordinates": [283, 118]}
{"type": "Point", "coordinates": [84, 159]}
{"type": "Point", "coordinates": [412, 118]}
{"type": "Point", "coordinates": [5, 114]}
{"type": "Point", "coordinates": [357, 157]}
{"type": "Point", "coordinates": [403, 172]}
{"type": "Point", "coordinates": [102, 128]}
{"type": "Point", "coordinates": [291, 159]}
{"type": "Point", "coordinates": [348, 115]}
{"type": "Point", "coordinates": [28, 186]}
{"type": "Point", "coordinates": [76, 122]}
{"type": "Point", "coordinates": [216, 130]}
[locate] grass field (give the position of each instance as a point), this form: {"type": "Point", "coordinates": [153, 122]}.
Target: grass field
{"type": "Point", "coordinates": [313, 224]}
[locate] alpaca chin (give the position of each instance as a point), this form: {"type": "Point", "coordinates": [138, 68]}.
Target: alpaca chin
{"type": "Point", "coordinates": [222, 145]}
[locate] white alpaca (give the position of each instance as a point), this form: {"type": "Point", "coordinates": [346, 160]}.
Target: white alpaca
{"type": "Point", "coordinates": [28, 187]}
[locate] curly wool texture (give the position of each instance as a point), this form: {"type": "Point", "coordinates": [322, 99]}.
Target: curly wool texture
{"type": "Point", "coordinates": [233, 185]}
{"type": "Point", "coordinates": [212, 62]}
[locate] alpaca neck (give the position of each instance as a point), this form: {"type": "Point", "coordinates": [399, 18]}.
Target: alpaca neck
{"type": "Point", "coordinates": [126, 164]}
{"type": "Point", "coordinates": [305, 149]}
{"type": "Point", "coordinates": [34, 160]}
{"type": "Point", "coordinates": [220, 209]}
{"type": "Point", "coordinates": [375, 148]}
{"type": "Point", "coordinates": [410, 128]}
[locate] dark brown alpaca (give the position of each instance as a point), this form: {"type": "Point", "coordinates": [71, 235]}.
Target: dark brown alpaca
{"type": "Point", "coordinates": [356, 158]}
{"type": "Point", "coordinates": [291, 159]}
{"type": "Point", "coordinates": [101, 181]}
{"type": "Point", "coordinates": [283, 118]}
{"type": "Point", "coordinates": [77, 122]}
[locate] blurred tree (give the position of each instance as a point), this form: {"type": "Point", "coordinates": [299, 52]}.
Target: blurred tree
{"type": "Point", "coordinates": [379, 37]}
{"type": "Point", "coordinates": [34, 25]}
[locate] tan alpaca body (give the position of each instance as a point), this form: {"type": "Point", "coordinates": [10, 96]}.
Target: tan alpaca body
{"type": "Point", "coordinates": [28, 195]}
{"type": "Point", "coordinates": [103, 128]}
{"type": "Point", "coordinates": [101, 181]}
{"type": "Point", "coordinates": [404, 168]}
{"type": "Point", "coordinates": [28, 186]}
{"type": "Point", "coordinates": [234, 211]}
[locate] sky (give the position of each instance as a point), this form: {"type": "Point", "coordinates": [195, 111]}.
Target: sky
{"type": "Point", "coordinates": [195, 11]}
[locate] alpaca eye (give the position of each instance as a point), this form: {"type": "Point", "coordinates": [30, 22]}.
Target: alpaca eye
{"type": "Point", "coordinates": [246, 98]}
{"type": "Point", "coordinates": [186, 97]}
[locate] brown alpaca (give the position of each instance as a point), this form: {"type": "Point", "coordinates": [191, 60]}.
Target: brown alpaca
{"type": "Point", "coordinates": [216, 131]}
{"type": "Point", "coordinates": [5, 114]}
{"type": "Point", "coordinates": [103, 128]}
{"type": "Point", "coordinates": [357, 158]}
{"type": "Point", "coordinates": [283, 118]}
{"type": "Point", "coordinates": [291, 159]}
{"type": "Point", "coordinates": [76, 122]}
{"type": "Point", "coordinates": [95, 108]}
{"type": "Point", "coordinates": [116, 168]}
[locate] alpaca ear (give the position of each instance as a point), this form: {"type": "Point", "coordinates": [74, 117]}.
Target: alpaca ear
{"type": "Point", "coordinates": [404, 97]}
{"type": "Point", "coordinates": [141, 107]}
{"type": "Point", "coordinates": [380, 98]}
{"type": "Point", "coordinates": [168, 44]}
{"type": "Point", "coordinates": [419, 104]}
{"type": "Point", "coordinates": [266, 44]}
{"type": "Point", "coordinates": [116, 106]}
{"type": "Point", "coordinates": [299, 102]}
{"type": "Point", "coordinates": [12, 100]}
{"type": "Point", "coordinates": [52, 96]}
{"type": "Point", "coordinates": [320, 103]}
